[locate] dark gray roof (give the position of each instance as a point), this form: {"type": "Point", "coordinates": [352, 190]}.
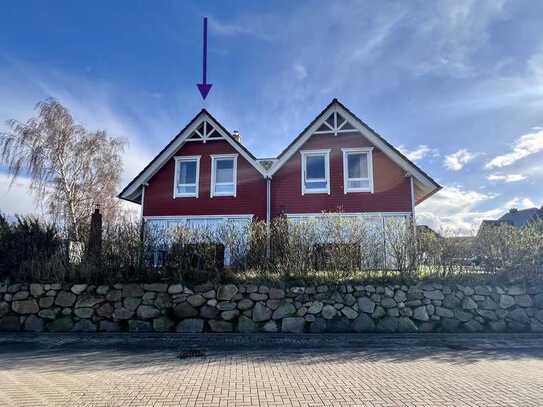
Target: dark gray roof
{"type": "Point", "coordinates": [519, 218]}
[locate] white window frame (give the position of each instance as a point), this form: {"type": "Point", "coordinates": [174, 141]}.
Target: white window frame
{"type": "Point", "coordinates": [346, 179]}
{"type": "Point", "coordinates": [309, 153]}
{"type": "Point", "coordinates": [178, 161]}
{"type": "Point", "coordinates": [214, 159]}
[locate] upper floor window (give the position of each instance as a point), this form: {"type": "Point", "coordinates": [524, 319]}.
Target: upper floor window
{"type": "Point", "coordinates": [223, 175]}
{"type": "Point", "coordinates": [357, 170]}
{"type": "Point", "coordinates": [315, 171]}
{"type": "Point", "coordinates": [187, 170]}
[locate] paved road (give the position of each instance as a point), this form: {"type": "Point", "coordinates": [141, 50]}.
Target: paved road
{"type": "Point", "coordinates": [271, 370]}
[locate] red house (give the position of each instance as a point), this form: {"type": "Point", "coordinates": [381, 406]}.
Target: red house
{"type": "Point", "coordinates": [205, 175]}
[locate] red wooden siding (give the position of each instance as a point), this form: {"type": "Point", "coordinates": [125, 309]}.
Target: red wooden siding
{"type": "Point", "coordinates": [392, 190]}
{"type": "Point", "coordinates": [251, 187]}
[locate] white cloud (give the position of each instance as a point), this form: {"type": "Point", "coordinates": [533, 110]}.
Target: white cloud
{"type": "Point", "coordinates": [457, 161]}
{"type": "Point", "coordinates": [525, 146]}
{"type": "Point", "coordinates": [16, 198]}
{"type": "Point", "coordinates": [419, 153]}
{"type": "Point", "coordinates": [507, 178]}
{"type": "Point", "coordinates": [454, 210]}
{"type": "Point", "coordinates": [520, 203]}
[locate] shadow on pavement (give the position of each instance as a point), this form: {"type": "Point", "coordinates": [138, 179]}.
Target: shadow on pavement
{"type": "Point", "coordinates": [73, 353]}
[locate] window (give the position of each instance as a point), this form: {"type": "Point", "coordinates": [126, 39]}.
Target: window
{"type": "Point", "coordinates": [315, 171]}
{"type": "Point", "coordinates": [187, 174]}
{"type": "Point", "coordinates": [223, 175]}
{"type": "Point", "coordinates": [357, 170]}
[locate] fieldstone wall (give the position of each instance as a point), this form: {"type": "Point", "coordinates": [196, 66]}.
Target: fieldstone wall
{"type": "Point", "coordinates": [251, 308]}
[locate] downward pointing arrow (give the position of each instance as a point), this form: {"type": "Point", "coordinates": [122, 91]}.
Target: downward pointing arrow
{"type": "Point", "coordinates": [204, 87]}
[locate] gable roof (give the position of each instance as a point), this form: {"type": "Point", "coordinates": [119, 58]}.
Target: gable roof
{"type": "Point", "coordinates": [132, 192]}
{"type": "Point", "coordinates": [424, 184]}
{"type": "Point", "coordinates": [519, 218]}
{"type": "Point", "coordinates": [514, 217]}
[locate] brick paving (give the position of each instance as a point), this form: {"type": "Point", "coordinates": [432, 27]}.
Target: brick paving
{"type": "Point", "coordinates": [55, 370]}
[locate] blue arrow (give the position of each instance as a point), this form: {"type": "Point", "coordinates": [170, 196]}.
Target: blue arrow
{"type": "Point", "coordinates": [204, 87]}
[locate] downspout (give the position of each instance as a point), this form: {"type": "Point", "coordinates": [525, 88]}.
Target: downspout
{"type": "Point", "coordinates": [142, 225]}
{"type": "Point", "coordinates": [268, 217]}
{"type": "Point", "coordinates": [413, 203]}
{"type": "Point", "coordinates": [268, 201]}
{"type": "Point", "coordinates": [142, 200]}
{"type": "Point", "coordinates": [142, 219]}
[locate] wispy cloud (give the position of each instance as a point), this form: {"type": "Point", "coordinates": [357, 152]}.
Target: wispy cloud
{"type": "Point", "coordinates": [250, 25]}
{"type": "Point", "coordinates": [92, 103]}
{"type": "Point", "coordinates": [300, 71]}
{"type": "Point", "coordinates": [525, 146]}
{"type": "Point", "coordinates": [452, 32]}
{"type": "Point", "coordinates": [419, 152]}
{"type": "Point", "coordinates": [506, 178]}
{"type": "Point", "coordinates": [457, 161]}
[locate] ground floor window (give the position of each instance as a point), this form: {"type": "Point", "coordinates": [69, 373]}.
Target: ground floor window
{"type": "Point", "coordinates": [372, 239]}
{"type": "Point", "coordinates": [217, 238]}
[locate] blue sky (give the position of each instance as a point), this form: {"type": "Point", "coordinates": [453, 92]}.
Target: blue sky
{"type": "Point", "coordinates": [457, 85]}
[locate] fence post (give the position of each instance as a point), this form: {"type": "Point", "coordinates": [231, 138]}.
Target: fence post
{"type": "Point", "coordinates": [94, 247]}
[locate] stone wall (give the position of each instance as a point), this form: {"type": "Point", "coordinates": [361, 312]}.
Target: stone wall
{"type": "Point", "coordinates": [251, 308]}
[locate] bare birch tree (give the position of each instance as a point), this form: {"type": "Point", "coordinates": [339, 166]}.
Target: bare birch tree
{"type": "Point", "coordinates": [71, 169]}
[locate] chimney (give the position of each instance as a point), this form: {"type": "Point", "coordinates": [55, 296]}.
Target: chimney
{"type": "Point", "coordinates": [513, 210]}
{"type": "Point", "coordinates": [236, 136]}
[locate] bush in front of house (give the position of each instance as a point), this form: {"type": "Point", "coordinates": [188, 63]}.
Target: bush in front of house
{"type": "Point", "coordinates": [30, 249]}
{"type": "Point", "coordinates": [515, 251]}
{"type": "Point", "coordinates": [335, 248]}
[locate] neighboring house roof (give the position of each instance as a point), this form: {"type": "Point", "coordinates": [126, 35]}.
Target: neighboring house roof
{"type": "Point", "coordinates": [519, 218]}
{"type": "Point", "coordinates": [132, 192]}
{"type": "Point", "coordinates": [424, 184]}
{"type": "Point", "coordinates": [464, 241]}
{"type": "Point", "coordinates": [515, 217]}
{"type": "Point", "coordinates": [427, 229]}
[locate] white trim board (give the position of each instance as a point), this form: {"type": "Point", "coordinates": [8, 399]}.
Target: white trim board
{"type": "Point", "coordinates": [346, 214]}
{"type": "Point", "coordinates": [185, 217]}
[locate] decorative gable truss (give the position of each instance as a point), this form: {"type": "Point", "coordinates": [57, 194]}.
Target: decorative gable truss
{"type": "Point", "coordinates": [335, 124]}
{"type": "Point", "coordinates": [204, 132]}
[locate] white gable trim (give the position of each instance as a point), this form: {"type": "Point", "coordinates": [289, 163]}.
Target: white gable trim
{"type": "Point", "coordinates": [426, 183]}
{"type": "Point", "coordinates": [180, 140]}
